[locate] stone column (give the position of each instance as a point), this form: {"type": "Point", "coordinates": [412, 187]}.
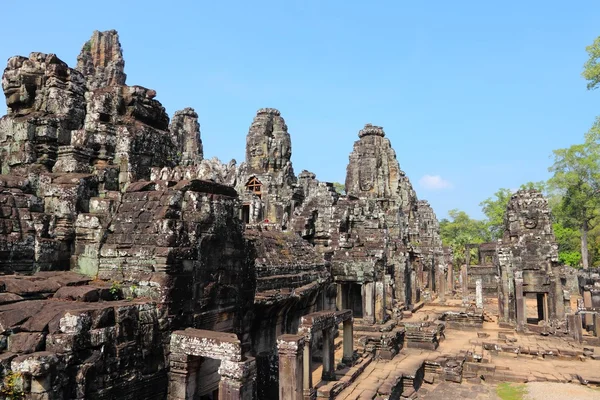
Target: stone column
{"type": "Point", "coordinates": [380, 314]}
{"type": "Point", "coordinates": [238, 380]}
{"type": "Point", "coordinates": [307, 390]}
{"type": "Point", "coordinates": [441, 284]}
{"type": "Point", "coordinates": [368, 302]}
{"type": "Point", "coordinates": [587, 303]}
{"type": "Point", "coordinates": [464, 280]}
{"type": "Point", "coordinates": [181, 376]}
{"type": "Point", "coordinates": [520, 301]}
{"type": "Point", "coordinates": [546, 315]}
{"type": "Point", "coordinates": [450, 281]}
{"type": "Point", "coordinates": [291, 375]}
{"type": "Point", "coordinates": [479, 293]}
{"type": "Point", "coordinates": [328, 355]}
{"type": "Point", "coordinates": [596, 325]}
{"type": "Point", "coordinates": [574, 326]}
{"type": "Point", "coordinates": [341, 299]}
{"type": "Point", "coordinates": [348, 356]}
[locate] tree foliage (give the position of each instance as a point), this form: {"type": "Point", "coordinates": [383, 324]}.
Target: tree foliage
{"type": "Point", "coordinates": [460, 230]}
{"type": "Point", "coordinates": [340, 188]}
{"type": "Point", "coordinates": [591, 68]}
{"type": "Point", "coordinates": [494, 209]}
{"type": "Point", "coordinates": [577, 180]}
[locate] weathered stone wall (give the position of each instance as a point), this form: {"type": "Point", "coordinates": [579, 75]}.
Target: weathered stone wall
{"type": "Point", "coordinates": [182, 243]}
{"type": "Point", "coordinates": [45, 100]}
{"type": "Point", "coordinates": [83, 342]}
{"type": "Point", "coordinates": [292, 280]}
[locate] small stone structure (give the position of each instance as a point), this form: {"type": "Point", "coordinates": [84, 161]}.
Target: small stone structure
{"type": "Point", "coordinates": [527, 260]}
{"type": "Point", "coordinates": [190, 347]}
{"type": "Point", "coordinates": [483, 268]}
{"type": "Point", "coordinates": [325, 323]}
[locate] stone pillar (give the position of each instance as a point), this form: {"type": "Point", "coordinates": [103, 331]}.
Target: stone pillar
{"type": "Point", "coordinates": [596, 325]}
{"type": "Point", "coordinates": [291, 375]}
{"type": "Point", "coordinates": [328, 355]}
{"type": "Point", "coordinates": [587, 303]}
{"type": "Point", "coordinates": [574, 326]}
{"type": "Point", "coordinates": [450, 281]}
{"type": "Point", "coordinates": [348, 356]}
{"type": "Point", "coordinates": [546, 315]}
{"type": "Point", "coordinates": [238, 380]}
{"type": "Point", "coordinates": [368, 302]}
{"type": "Point", "coordinates": [341, 299]}
{"type": "Point", "coordinates": [520, 301]}
{"type": "Point", "coordinates": [441, 284]}
{"type": "Point", "coordinates": [464, 280]}
{"type": "Point", "coordinates": [181, 376]}
{"type": "Point", "coordinates": [308, 391]}
{"type": "Point", "coordinates": [479, 293]}
{"type": "Point", "coordinates": [380, 314]}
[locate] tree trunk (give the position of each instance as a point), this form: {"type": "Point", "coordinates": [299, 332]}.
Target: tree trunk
{"type": "Point", "coordinates": [584, 244]}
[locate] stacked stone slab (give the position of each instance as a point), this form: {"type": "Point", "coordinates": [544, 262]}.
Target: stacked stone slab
{"type": "Point", "coordinates": [83, 342]}
{"type": "Point", "coordinates": [424, 335]}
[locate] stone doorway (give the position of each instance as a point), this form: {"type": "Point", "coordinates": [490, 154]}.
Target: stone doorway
{"type": "Point", "coordinates": [351, 294]}
{"type": "Point", "coordinates": [246, 213]}
{"type": "Point", "coordinates": [207, 379]}
{"type": "Point", "coordinates": [227, 375]}
{"type": "Point", "coordinates": [536, 308]}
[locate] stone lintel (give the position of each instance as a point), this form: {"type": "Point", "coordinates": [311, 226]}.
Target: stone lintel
{"type": "Point", "coordinates": [323, 319]}
{"type": "Point", "coordinates": [289, 344]}
{"type": "Point", "coordinates": [240, 371]}
{"type": "Point", "coordinates": [210, 344]}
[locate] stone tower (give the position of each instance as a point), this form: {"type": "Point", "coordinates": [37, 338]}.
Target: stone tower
{"type": "Point", "coordinates": [528, 262]}
{"type": "Point", "coordinates": [267, 183]}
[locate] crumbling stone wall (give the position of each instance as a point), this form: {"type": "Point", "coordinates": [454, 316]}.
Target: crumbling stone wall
{"type": "Point", "coordinates": [83, 342]}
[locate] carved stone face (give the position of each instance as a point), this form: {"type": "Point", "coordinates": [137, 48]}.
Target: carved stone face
{"type": "Point", "coordinates": [19, 84]}
{"type": "Point", "coordinates": [530, 223]}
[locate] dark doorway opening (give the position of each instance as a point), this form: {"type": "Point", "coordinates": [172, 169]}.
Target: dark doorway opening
{"type": "Point", "coordinates": [246, 213]}
{"type": "Point", "coordinates": [355, 299]}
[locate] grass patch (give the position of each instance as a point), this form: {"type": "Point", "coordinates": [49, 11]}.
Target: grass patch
{"type": "Point", "coordinates": [511, 391]}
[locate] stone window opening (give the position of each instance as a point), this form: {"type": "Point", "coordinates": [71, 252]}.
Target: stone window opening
{"type": "Point", "coordinates": [254, 186]}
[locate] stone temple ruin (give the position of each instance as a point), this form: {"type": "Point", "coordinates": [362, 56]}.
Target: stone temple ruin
{"type": "Point", "coordinates": [134, 268]}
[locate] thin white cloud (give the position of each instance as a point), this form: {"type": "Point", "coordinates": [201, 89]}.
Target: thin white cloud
{"type": "Point", "coordinates": [434, 182]}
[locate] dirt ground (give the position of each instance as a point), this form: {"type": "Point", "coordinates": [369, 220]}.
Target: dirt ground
{"type": "Point", "coordinates": [535, 377]}
{"type": "Point", "coordinates": [524, 391]}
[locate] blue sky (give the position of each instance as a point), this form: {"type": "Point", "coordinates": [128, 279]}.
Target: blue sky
{"type": "Point", "coordinates": [474, 96]}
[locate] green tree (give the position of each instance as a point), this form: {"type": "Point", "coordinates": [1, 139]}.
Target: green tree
{"type": "Point", "coordinates": [591, 68]}
{"type": "Point", "coordinates": [340, 188]}
{"type": "Point", "coordinates": [577, 179]}
{"type": "Point", "coordinates": [461, 230]}
{"type": "Point", "coordinates": [494, 209]}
